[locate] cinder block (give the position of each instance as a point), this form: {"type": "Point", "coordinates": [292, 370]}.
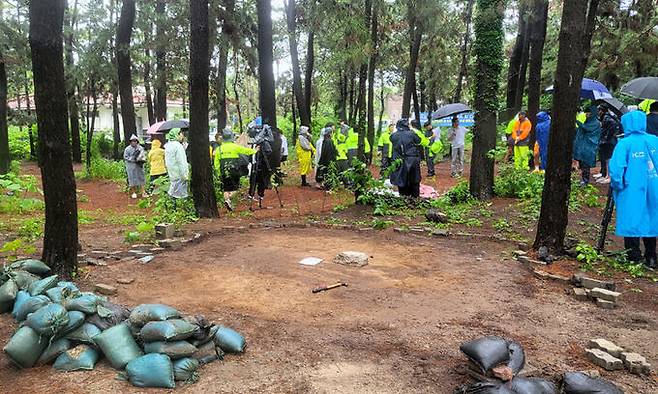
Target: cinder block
{"type": "Point", "coordinates": [606, 346]}
{"type": "Point", "coordinates": [604, 360]}
{"type": "Point", "coordinates": [164, 231]}
{"type": "Point", "coordinates": [604, 294]}
{"type": "Point", "coordinates": [635, 363]}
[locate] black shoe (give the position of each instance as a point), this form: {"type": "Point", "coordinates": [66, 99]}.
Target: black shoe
{"type": "Point", "coordinates": [228, 205]}
{"type": "Point", "coordinates": [650, 262]}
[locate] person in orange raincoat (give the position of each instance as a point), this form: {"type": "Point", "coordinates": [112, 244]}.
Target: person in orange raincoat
{"type": "Point", "coordinates": [521, 135]}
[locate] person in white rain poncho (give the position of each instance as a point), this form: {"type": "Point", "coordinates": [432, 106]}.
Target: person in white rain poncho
{"type": "Point", "coordinates": [176, 162]}
{"type": "Point", "coordinates": [135, 157]}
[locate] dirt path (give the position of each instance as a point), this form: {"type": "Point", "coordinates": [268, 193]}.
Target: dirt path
{"type": "Point", "coordinates": [396, 328]}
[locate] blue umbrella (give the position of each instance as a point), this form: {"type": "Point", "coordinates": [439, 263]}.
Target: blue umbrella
{"type": "Point", "coordinates": [590, 89]}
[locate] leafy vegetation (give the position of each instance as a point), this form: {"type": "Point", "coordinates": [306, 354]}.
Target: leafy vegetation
{"type": "Point", "coordinates": [591, 260]}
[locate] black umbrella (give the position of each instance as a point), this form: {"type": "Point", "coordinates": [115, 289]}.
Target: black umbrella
{"type": "Point", "coordinates": [450, 110]}
{"type": "Point", "coordinates": [642, 88]}
{"type": "Point", "coordinates": [615, 105]}
{"type": "Point", "coordinates": [167, 125]}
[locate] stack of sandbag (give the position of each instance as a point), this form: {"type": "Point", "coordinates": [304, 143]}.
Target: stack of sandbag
{"type": "Point", "coordinates": [499, 361]}
{"type": "Point", "coordinates": [153, 345]}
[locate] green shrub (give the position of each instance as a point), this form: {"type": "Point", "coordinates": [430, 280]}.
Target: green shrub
{"type": "Point", "coordinates": [515, 183]}
{"type": "Point", "coordinates": [107, 169]}
{"type": "Point", "coordinates": [19, 142]}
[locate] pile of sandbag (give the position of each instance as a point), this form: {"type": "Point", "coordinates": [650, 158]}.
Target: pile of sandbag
{"type": "Point", "coordinates": [153, 345]}
{"type": "Point", "coordinates": [498, 363]}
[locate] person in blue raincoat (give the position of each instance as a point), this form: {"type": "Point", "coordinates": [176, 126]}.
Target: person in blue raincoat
{"type": "Point", "coordinates": [634, 183]}
{"type": "Point", "coordinates": [542, 132]}
{"type": "Point", "coordinates": [586, 143]}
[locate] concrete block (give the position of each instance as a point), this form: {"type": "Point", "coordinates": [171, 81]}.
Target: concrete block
{"type": "Point", "coordinates": [356, 259]}
{"type": "Point", "coordinates": [604, 294]}
{"type": "Point", "coordinates": [170, 243]}
{"type": "Point", "coordinates": [604, 360]}
{"type": "Point", "coordinates": [606, 346]}
{"type": "Point", "coordinates": [519, 253]}
{"type": "Point", "coordinates": [125, 281]}
{"type": "Point", "coordinates": [440, 232]}
{"type": "Point", "coordinates": [105, 289]}
{"type": "Point", "coordinates": [580, 294]}
{"type": "Point", "coordinates": [605, 304]}
{"type": "Point", "coordinates": [581, 280]}
{"type": "Point", "coordinates": [164, 231]}
{"type": "Point", "coordinates": [635, 363]}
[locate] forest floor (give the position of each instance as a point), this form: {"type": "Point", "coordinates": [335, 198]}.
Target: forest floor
{"type": "Point", "coordinates": [396, 328]}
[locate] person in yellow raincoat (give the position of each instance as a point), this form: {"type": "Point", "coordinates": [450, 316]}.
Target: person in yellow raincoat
{"type": "Point", "coordinates": [156, 158]}
{"type": "Point", "coordinates": [645, 105]}
{"type": "Point", "coordinates": [229, 160]}
{"type": "Point", "coordinates": [385, 147]}
{"type": "Point", "coordinates": [305, 151]}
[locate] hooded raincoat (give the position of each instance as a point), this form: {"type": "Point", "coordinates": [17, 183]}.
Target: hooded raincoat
{"type": "Point", "coordinates": [133, 156]}
{"type": "Point", "coordinates": [586, 143]}
{"type": "Point", "coordinates": [156, 158]}
{"type": "Point", "coordinates": [542, 132]}
{"type": "Point", "coordinates": [177, 167]}
{"type": "Point", "coordinates": [634, 180]}
{"type": "Point", "coordinates": [305, 150]}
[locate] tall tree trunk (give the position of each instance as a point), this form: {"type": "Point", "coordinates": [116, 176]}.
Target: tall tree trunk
{"type": "Point", "coordinates": [352, 98]}
{"type": "Point", "coordinates": [414, 95]}
{"type": "Point", "coordinates": [60, 237]}
{"type": "Point", "coordinates": [92, 125]}
{"type": "Point", "coordinates": [235, 88]}
{"type": "Point", "coordinates": [523, 69]}
{"type": "Point", "coordinates": [160, 62]}
{"type": "Point", "coordinates": [341, 104]}
{"type": "Point", "coordinates": [416, 33]}
{"type": "Point", "coordinates": [463, 68]}
{"type": "Point", "coordinates": [488, 49]}
{"type": "Point", "coordinates": [372, 65]}
{"type": "Point", "coordinates": [203, 191]}
{"type": "Point", "coordinates": [147, 86]}
{"type": "Point", "coordinates": [421, 93]}
{"type": "Point", "coordinates": [310, 61]}
{"type": "Point", "coordinates": [294, 120]}
{"type": "Point", "coordinates": [291, 23]}
{"type": "Point", "coordinates": [267, 97]}
{"type": "Point", "coordinates": [516, 59]}
{"type": "Point", "coordinates": [116, 129]}
{"type": "Point", "coordinates": [124, 31]}
{"type": "Point", "coordinates": [382, 104]}
{"type": "Point", "coordinates": [361, 102]}
{"type": "Point", "coordinates": [577, 26]}
{"type": "Point", "coordinates": [5, 160]}
{"type": "Point", "coordinates": [228, 30]}
{"type": "Point", "coordinates": [33, 153]}
{"type": "Point", "coordinates": [537, 38]}
{"type": "Point", "coordinates": [74, 121]}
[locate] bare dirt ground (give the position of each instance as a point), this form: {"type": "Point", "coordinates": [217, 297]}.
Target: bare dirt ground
{"type": "Point", "coordinates": [396, 328]}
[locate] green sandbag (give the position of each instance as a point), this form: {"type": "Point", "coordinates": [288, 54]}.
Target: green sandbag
{"type": "Point", "coordinates": [61, 292]}
{"type": "Point", "coordinates": [168, 330]}
{"type": "Point", "coordinates": [48, 320]}
{"type": "Point", "coordinates": [76, 320]}
{"type": "Point", "coordinates": [229, 340]}
{"type": "Point", "coordinates": [151, 370]}
{"type": "Point", "coordinates": [8, 293]}
{"type": "Point", "coordinates": [33, 266]}
{"type": "Point", "coordinates": [39, 287]}
{"type": "Point", "coordinates": [23, 279]}
{"type": "Point", "coordinates": [81, 357]}
{"type": "Point", "coordinates": [21, 297]}
{"type": "Point", "coordinates": [185, 369]}
{"type": "Point", "coordinates": [25, 347]}
{"type": "Point", "coordinates": [118, 345]}
{"type": "Point", "coordinates": [145, 313]}
{"type": "Point", "coordinates": [30, 305]}
{"type": "Point", "coordinates": [84, 334]}
{"type": "Point", "coordinates": [86, 302]}
{"type": "Point", "coordinates": [54, 350]}
{"type": "Point", "coordinates": [175, 350]}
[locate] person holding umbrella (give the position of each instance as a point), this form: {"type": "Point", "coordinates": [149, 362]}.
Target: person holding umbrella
{"type": "Point", "coordinates": [456, 136]}
{"type": "Point", "coordinates": [586, 143]}
{"type": "Point", "coordinates": [634, 183]}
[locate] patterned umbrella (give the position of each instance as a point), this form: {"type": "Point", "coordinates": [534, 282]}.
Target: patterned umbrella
{"type": "Point", "coordinates": [164, 126]}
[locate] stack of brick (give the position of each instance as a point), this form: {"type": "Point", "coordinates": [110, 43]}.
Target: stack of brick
{"type": "Point", "coordinates": [602, 292]}
{"type": "Point", "coordinates": [611, 357]}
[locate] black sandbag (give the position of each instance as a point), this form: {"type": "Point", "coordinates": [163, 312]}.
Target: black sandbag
{"type": "Point", "coordinates": [48, 320]}
{"type": "Point", "coordinates": [23, 279]}
{"type": "Point", "coordinates": [76, 319]}
{"type": "Point", "coordinates": [84, 334]}
{"type": "Point", "coordinates": [168, 330]}
{"type": "Point", "coordinates": [185, 369]}
{"type": "Point", "coordinates": [579, 383]}
{"type": "Point", "coordinates": [81, 357]}
{"type": "Point", "coordinates": [151, 370]}
{"type": "Point", "coordinates": [486, 352]}
{"type": "Point", "coordinates": [33, 266]}
{"type": "Point", "coordinates": [30, 305]}
{"type": "Point", "coordinates": [85, 302]}
{"type": "Point", "coordinates": [145, 313]}
{"type": "Point", "coordinates": [532, 386]}
{"type": "Point", "coordinates": [485, 388]}
{"type": "Point", "coordinates": [39, 287]}
{"type": "Point", "coordinates": [175, 350]}
{"type": "Point", "coordinates": [108, 315]}
{"type": "Point", "coordinates": [25, 347]}
{"type": "Point", "coordinates": [54, 350]}
{"type": "Point", "coordinates": [8, 292]}
{"type": "Point", "coordinates": [516, 357]}
{"type": "Point", "coordinates": [21, 297]}
{"type": "Point", "coordinates": [118, 345]}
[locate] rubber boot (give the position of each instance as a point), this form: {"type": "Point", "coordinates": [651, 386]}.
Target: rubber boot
{"type": "Point", "coordinates": [304, 180]}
